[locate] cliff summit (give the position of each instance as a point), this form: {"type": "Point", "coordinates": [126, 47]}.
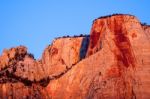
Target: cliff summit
{"type": "Point", "coordinates": [112, 63]}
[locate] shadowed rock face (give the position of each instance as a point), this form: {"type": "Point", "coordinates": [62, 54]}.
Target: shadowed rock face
{"type": "Point", "coordinates": [113, 63]}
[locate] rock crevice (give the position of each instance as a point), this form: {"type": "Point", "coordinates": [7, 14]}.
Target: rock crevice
{"type": "Point", "coordinates": [112, 63]}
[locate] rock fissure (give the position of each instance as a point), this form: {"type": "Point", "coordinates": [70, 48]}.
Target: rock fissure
{"type": "Point", "coordinates": [112, 63]}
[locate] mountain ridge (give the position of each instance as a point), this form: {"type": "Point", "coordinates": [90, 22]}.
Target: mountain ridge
{"type": "Point", "coordinates": [113, 62]}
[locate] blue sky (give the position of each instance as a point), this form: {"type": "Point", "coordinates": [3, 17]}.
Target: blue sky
{"type": "Point", "coordinates": [35, 23]}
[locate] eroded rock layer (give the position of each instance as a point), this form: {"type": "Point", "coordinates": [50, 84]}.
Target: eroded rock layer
{"type": "Point", "coordinates": [113, 63]}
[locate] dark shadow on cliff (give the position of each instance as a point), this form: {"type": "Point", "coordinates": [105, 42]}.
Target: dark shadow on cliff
{"type": "Point", "coordinates": [84, 47]}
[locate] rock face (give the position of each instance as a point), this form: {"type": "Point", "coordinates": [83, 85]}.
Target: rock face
{"type": "Point", "coordinates": [113, 63]}
{"type": "Point", "coordinates": [63, 53]}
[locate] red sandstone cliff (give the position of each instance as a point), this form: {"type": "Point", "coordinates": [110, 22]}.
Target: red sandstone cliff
{"type": "Point", "coordinates": [113, 63]}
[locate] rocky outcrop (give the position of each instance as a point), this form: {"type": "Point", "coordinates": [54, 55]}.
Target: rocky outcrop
{"type": "Point", "coordinates": [112, 63]}
{"type": "Point", "coordinates": [63, 53]}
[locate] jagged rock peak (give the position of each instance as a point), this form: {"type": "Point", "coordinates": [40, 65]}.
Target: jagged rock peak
{"type": "Point", "coordinates": [12, 55]}
{"type": "Point", "coordinates": [113, 63]}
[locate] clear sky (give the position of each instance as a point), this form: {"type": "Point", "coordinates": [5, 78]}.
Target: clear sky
{"type": "Point", "coordinates": [35, 23]}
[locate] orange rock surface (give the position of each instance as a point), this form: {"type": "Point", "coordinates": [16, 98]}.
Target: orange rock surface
{"type": "Point", "coordinates": [113, 63]}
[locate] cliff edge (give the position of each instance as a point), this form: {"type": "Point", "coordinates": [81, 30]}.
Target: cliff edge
{"type": "Point", "coordinates": [113, 62]}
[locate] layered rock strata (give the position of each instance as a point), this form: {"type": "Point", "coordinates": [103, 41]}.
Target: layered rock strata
{"type": "Point", "coordinates": [114, 62]}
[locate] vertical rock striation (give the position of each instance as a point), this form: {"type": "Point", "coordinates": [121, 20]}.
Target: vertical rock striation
{"type": "Point", "coordinates": [114, 62]}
